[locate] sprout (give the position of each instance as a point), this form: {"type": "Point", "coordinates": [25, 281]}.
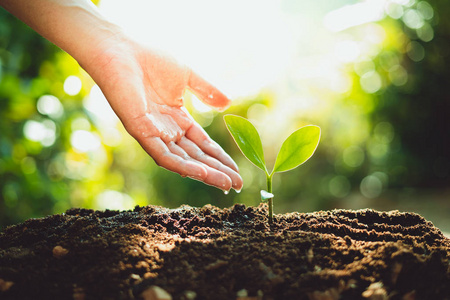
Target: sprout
{"type": "Point", "coordinates": [296, 150]}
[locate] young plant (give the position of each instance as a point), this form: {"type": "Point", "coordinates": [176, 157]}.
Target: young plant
{"type": "Point", "coordinates": [295, 150]}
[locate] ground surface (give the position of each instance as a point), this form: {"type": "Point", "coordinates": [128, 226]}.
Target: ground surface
{"type": "Point", "coordinates": [212, 253]}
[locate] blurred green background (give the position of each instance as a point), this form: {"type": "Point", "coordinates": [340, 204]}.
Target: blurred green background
{"type": "Point", "coordinates": [384, 119]}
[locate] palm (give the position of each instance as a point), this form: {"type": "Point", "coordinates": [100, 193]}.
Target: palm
{"type": "Point", "coordinates": [146, 93]}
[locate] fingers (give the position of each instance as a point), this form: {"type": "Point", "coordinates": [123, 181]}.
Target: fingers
{"type": "Point", "coordinates": [175, 162]}
{"type": "Point", "coordinates": [215, 177]}
{"type": "Point", "coordinates": [199, 136]}
{"type": "Point", "coordinates": [173, 158]}
{"type": "Point", "coordinates": [207, 93]}
{"type": "Point", "coordinates": [196, 153]}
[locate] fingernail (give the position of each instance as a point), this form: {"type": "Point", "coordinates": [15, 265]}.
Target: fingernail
{"type": "Point", "coordinates": [237, 186]}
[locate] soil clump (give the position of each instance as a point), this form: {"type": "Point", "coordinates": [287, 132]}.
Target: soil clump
{"type": "Point", "coordinates": [212, 253]}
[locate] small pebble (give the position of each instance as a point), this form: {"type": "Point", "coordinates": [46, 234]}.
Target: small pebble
{"type": "Point", "coordinates": [135, 276]}
{"type": "Point", "coordinates": [59, 252]}
{"type": "Point", "coordinates": [310, 255]}
{"type": "Point", "coordinates": [375, 291]}
{"type": "Point", "coordinates": [242, 293]}
{"type": "Point", "coordinates": [215, 265]}
{"type": "Point", "coordinates": [409, 296]}
{"type": "Point", "coordinates": [330, 294]}
{"type": "Point", "coordinates": [189, 295]}
{"type": "Point", "coordinates": [155, 293]}
{"type": "Point", "coordinates": [78, 293]}
{"type": "Point", "coordinates": [5, 285]}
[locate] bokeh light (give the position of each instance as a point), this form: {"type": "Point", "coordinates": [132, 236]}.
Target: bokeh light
{"type": "Point", "coordinates": [72, 85]}
{"type": "Point", "coordinates": [51, 106]}
{"type": "Point", "coordinates": [84, 141]}
{"type": "Point", "coordinates": [110, 199]}
{"type": "Point", "coordinates": [43, 132]}
{"type": "Point", "coordinates": [371, 186]}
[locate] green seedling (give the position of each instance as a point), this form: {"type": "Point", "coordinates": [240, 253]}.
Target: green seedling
{"type": "Point", "coordinates": [295, 150]}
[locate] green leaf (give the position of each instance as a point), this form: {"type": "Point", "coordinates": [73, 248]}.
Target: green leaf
{"type": "Point", "coordinates": [247, 138]}
{"type": "Point", "coordinates": [297, 148]}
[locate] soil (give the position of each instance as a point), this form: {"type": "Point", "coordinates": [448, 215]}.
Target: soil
{"type": "Point", "coordinates": [212, 253]}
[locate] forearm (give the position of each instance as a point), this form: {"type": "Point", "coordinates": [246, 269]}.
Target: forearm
{"type": "Point", "coordinates": [73, 25]}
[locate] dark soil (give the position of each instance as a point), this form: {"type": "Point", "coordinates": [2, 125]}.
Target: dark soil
{"type": "Point", "coordinates": [212, 253]}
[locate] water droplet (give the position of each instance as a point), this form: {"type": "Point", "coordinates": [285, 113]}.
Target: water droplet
{"type": "Point", "coordinates": [238, 190]}
{"type": "Point", "coordinates": [226, 192]}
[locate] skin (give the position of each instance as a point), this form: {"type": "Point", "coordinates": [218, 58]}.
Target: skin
{"type": "Point", "coordinates": [144, 87]}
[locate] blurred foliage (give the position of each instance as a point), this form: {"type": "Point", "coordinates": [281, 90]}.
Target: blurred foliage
{"type": "Point", "coordinates": [388, 130]}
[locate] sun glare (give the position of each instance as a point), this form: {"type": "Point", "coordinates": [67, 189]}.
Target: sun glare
{"type": "Point", "coordinates": [354, 15]}
{"type": "Point", "coordinates": [326, 61]}
{"type": "Point", "coordinates": [241, 46]}
{"type": "Point", "coordinates": [246, 46]}
{"type": "Point", "coordinates": [298, 51]}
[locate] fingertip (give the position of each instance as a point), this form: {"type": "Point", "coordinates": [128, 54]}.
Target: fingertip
{"type": "Point", "coordinates": [207, 93]}
{"type": "Point", "coordinates": [226, 159]}
{"type": "Point", "coordinates": [222, 104]}
{"type": "Point", "coordinates": [196, 171]}
{"type": "Point", "coordinates": [212, 177]}
{"type": "Point", "coordinates": [221, 181]}
{"type": "Point", "coordinates": [226, 183]}
{"type": "Point", "coordinates": [230, 163]}
{"type": "Point", "coordinates": [238, 184]}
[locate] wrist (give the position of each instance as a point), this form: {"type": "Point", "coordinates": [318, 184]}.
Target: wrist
{"type": "Point", "coordinates": [109, 57]}
{"type": "Point", "coordinates": [77, 27]}
{"type": "Point", "coordinates": [103, 46]}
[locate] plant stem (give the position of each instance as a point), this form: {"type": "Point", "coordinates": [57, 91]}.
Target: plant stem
{"type": "Point", "coordinates": [270, 201]}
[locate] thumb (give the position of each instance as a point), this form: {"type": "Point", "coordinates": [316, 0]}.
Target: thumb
{"type": "Point", "coordinates": [207, 93]}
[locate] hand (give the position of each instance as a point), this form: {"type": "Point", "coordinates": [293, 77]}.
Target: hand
{"type": "Point", "coordinates": [146, 89]}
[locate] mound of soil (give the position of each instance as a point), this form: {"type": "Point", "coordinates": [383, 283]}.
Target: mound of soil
{"type": "Point", "coordinates": [212, 253]}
